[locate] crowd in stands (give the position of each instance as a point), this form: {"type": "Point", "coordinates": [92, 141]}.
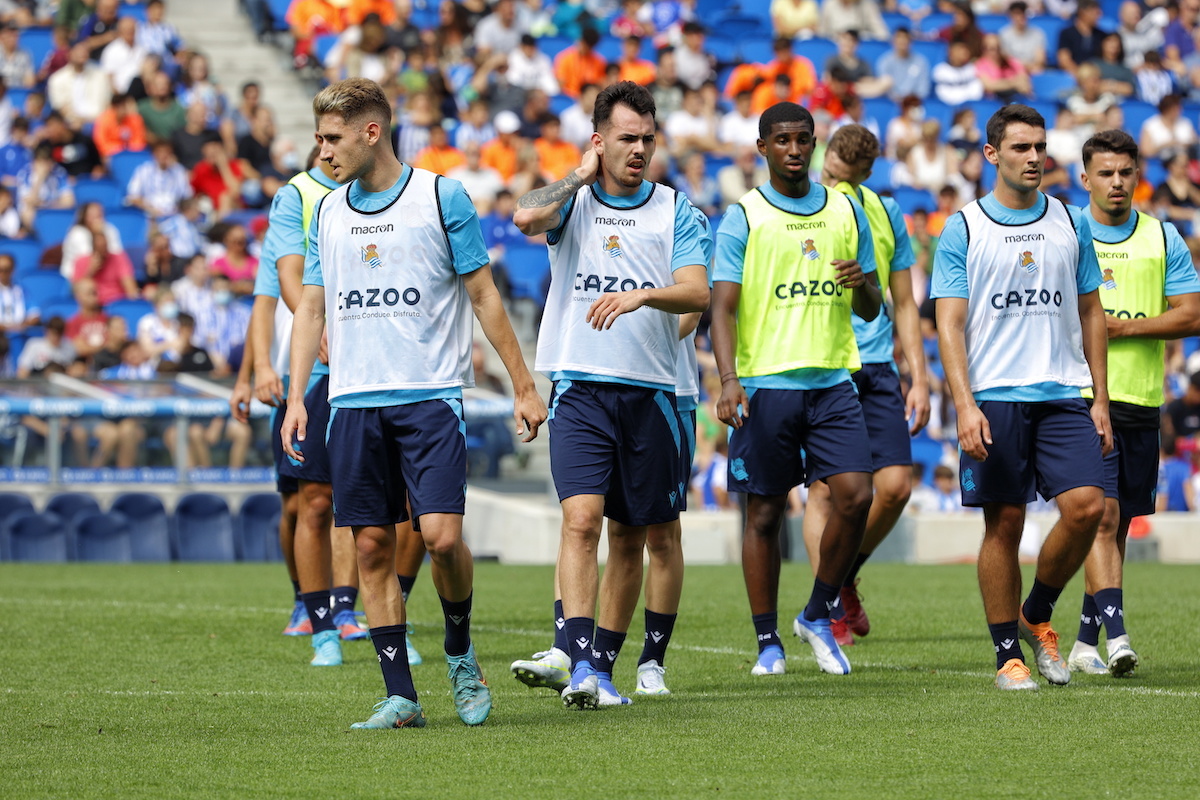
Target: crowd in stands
{"type": "Point", "coordinates": [115, 115]}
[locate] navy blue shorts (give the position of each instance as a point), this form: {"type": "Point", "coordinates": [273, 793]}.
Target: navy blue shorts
{"type": "Point", "coordinates": [688, 420]}
{"type": "Point", "coordinates": [1050, 447]}
{"type": "Point", "coordinates": [315, 466]}
{"type": "Point", "coordinates": [382, 456]}
{"type": "Point", "coordinates": [826, 424]}
{"type": "Point", "coordinates": [1131, 470]}
{"type": "Point", "coordinates": [623, 442]}
{"type": "Point", "coordinates": [883, 409]}
{"type": "Point", "coordinates": [284, 484]}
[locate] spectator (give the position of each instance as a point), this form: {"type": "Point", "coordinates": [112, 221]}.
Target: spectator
{"type": "Point", "coordinates": [161, 266]}
{"type": "Point", "coordinates": [964, 134]}
{"type": "Point", "coordinates": [535, 111]}
{"type": "Point", "coordinates": [955, 81]}
{"type": "Point", "coordinates": [222, 331]}
{"type": "Point", "coordinates": [15, 317]}
{"type": "Point", "coordinates": [690, 129]}
{"type": "Point", "coordinates": [629, 21]}
{"type": "Point", "coordinates": [243, 113]}
{"type": "Point", "coordinates": [218, 178]}
{"type": "Point", "coordinates": [831, 95]}
{"type": "Point", "coordinates": [745, 174]}
{"type": "Point", "coordinates": [116, 334]}
{"type": "Point", "coordinates": [501, 153]}
{"type": "Point", "coordinates": [861, 75]}
{"type": "Point", "coordinates": [414, 124]}
{"type": "Point", "coordinates": [558, 158]}
{"type": "Point", "coordinates": [192, 358]}
{"type": "Point", "coordinates": [88, 329]}
{"type": "Point", "coordinates": [236, 264]}
{"type": "Point", "coordinates": [948, 496]}
{"type": "Point", "coordinates": [59, 55]}
{"type": "Point", "coordinates": [74, 151]}
{"type": "Point", "coordinates": [1079, 42]}
{"type": "Point", "coordinates": [693, 64]}
{"type": "Point", "coordinates": [1022, 41]}
{"type": "Point", "coordinates": [16, 65]}
{"type": "Point", "coordinates": [1168, 132]}
{"type": "Point", "coordinates": [499, 231]}
{"type": "Point", "coordinates": [254, 148]}
{"type": "Point", "coordinates": [666, 89]}
{"type": "Point", "coordinates": [159, 186]}
{"type": "Point", "coordinates": [1154, 82]}
{"type": "Point", "coordinates": [16, 154]}
{"type": "Point", "coordinates": [157, 36]}
{"type": "Point", "coordinates": [500, 31]}
{"type": "Point", "coordinates": [1177, 197]}
{"type": "Point", "coordinates": [151, 66]}
{"type": "Point", "coordinates": [161, 112]}
{"type": "Point", "coordinates": [632, 66]}
{"type": "Point", "coordinates": [120, 128]}
{"type": "Point", "coordinates": [738, 128]}
{"type": "Point", "coordinates": [795, 19]}
{"type": "Point", "coordinates": [197, 87]}
{"type": "Point", "coordinates": [1138, 34]}
{"type": "Point", "coordinates": [158, 332]}
{"type": "Point", "coordinates": [99, 29]}
{"type": "Point", "coordinates": [904, 130]}
{"type": "Point", "coordinates": [580, 64]}
{"type": "Point", "coordinates": [183, 229]}
{"type": "Point", "coordinates": [529, 174]}
{"type": "Point", "coordinates": [135, 365]}
{"type": "Point", "coordinates": [577, 118]}
{"type": "Point", "coordinates": [699, 186]}
{"type": "Point", "coordinates": [1177, 38]}
{"type": "Point", "coordinates": [476, 126]}
{"type": "Point", "coordinates": [363, 51]}
{"type": "Point", "coordinates": [1002, 76]}
{"type": "Point", "coordinates": [528, 67]}
{"type": "Point", "coordinates": [309, 19]}
{"type": "Point", "coordinates": [42, 184]}
{"type": "Point", "coordinates": [481, 183]}
{"type": "Point", "coordinates": [902, 71]}
{"type": "Point", "coordinates": [439, 156]}
{"type": "Point", "coordinates": [112, 272]}
{"type": "Point", "coordinates": [10, 219]}
{"type": "Point", "coordinates": [1115, 78]}
{"type": "Point", "coordinates": [1064, 141]}
{"type": "Point", "coordinates": [852, 15]}
{"type": "Point", "coordinates": [1181, 416]}
{"type": "Point", "coordinates": [122, 58]}
{"type": "Point", "coordinates": [855, 113]}
{"type": "Point", "coordinates": [80, 91]}
{"type": "Point", "coordinates": [798, 68]}
{"type": "Point", "coordinates": [42, 352]}
{"type": "Point", "coordinates": [192, 291]}
{"type": "Point", "coordinates": [78, 241]}
{"type": "Point", "coordinates": [1089, 102]}
{"type": "Point", "coordinates": [962, 28]}
{"type": "Point", "coordinates": [931, 162]}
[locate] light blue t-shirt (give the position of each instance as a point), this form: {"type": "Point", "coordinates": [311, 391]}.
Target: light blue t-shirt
{"type": "Point", "coordinates": [468, 252]}
{"type": "Point", "coordinates": [950, 279]}
{"type": "Point", "coordinates": [690, 249]}
{"type": "Point", "coordinates": [732, 235]}
{"type": "Point", "coordinates": [875, 344]}
{"type": "Point", "coordinates": [1181, 275]}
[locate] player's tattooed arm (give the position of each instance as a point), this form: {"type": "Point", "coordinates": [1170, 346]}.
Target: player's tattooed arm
{"type": "Point", "coordinates": [553, 195]}
{"type": "Point", "coordinates": [540, 210]}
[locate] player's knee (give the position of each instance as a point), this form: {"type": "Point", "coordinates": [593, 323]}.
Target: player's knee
{"type": "Point", "coordinates": [1110, 523]}
{"type": "Point", "coordinates": [1084, 513]}
{"type": "Point", "coordinates": [318, 503]}
{"type": "Point", "coordinates": [442, 546]}
{"type": "Point", "coordinates": [853, 501]}
{"type": "Point", "coordinates": [894, 492]}
{"type": "Point", "coordinates": [662, 541]}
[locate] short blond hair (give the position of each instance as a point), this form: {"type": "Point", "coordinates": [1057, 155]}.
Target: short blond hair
{"type": "Point", "coordinates": [353, 99]}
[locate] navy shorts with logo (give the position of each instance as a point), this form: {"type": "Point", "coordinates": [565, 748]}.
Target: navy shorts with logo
{"type": "Point", "coordinates": [688, 420]}
{"type": "Point", "coordinates": [620, 441]}
{"type": "Point", "coordinates": [284, 484]}
{"type": "Point", "coordinates": [1131, 470]}
{"type": "Point", "coordinates": [382, 456]}
{"type": "Point", "coordinates": [827, 425]}
{"type": "Point", "coordinates": [315, 466]}
{"type": "Point", "coordinates": [883, 409]}
{"type": "Point", "coordinates": [1048, 448]}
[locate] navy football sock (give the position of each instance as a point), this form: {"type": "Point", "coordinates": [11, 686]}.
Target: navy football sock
{"type": "Point", "coordinates": [389, 644]}
{"type": "Point", "coordinates": [344, 599]}
{"type": "Point", "coordinates": [319, 613]}
{"type": "Point", "coordinates": [296, 591]}
{"type": "Point", "coordinates": [766, 628]}
{"type": "Point", "coordinates": [1111, 604]}
{"type": "Point", "coordinates": [458, 625]}
{"type": "Point", "coordinates": [659, 628]}
{"type": "Point", "coordinates": [1007, 642]}
{"type": "Point", "coordinates": [406, 584]}
{"type": "Point", "coordinates": [560, 628]}
{"type": "Point", "coordinates": [606, 648]}
{"type": "Point", "coordinates": [1089, 622]}
{"type": "Point", "coordinates": [823, 600]}
{"type": "Point", "coordinates": [579, 639]}
{"type": "Point", "coordinates": [1039, 606]}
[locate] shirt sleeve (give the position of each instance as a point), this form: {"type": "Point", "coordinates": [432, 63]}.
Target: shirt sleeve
{"type": "Point", "coordinates": [461, 223]}
{"type": "Point", "coordinates": [866, 241]}
{"type": "Point", "coordinates": [1088, 277]}
{"type": "Point", "coordinates": [707, 245]}
{"type": "Point", "coordinates": [555, 233]}
{"type": "Point", "coordinates": [689, 249]}
{"type": "Point", "coordinates": [732, 235]}
{"type": "Point", "coordinates": [903, 258]}
{"type": "Point", "coordinates": [285, 235]}
{"type": "Point", "coordinates": [312, 259]}
{"type": "Point", "coordinates": [1181, 275]}
{"type": "Point", "coordinates": [266, 281]}
{"type": "Point", "coordinates": [950, 261]}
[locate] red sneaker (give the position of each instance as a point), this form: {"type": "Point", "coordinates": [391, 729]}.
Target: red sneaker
{"type": "Point", "coordinates": [841, 632]}
{"type": "Point", "coordinates": [856, 615]}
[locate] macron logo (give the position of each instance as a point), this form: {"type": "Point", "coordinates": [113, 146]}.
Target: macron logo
{"type": "Point", "coordinates": [656, 636]}
{"type": "Point", "coordinates": [834, 604]}
{"type": "Point", "coordinates": [322, 612]}
{"type": "Point", "coordinates": [390, 652]}
{"type": "Point", "coordinates": [582, 643]}
{"type": "Point", "coordinates": [344, 599]}
{"type": "Point", "coordinates": [357, 229]}
{"type": "Point", "coordinates": [558, 623]}
{"type": "Point", "coordinates": [1006, 644]}
{"type": "Point", "coordinates": [456, 620]}
{"type": "Point", "coordinates": [1110, 610]}
{"type": "Point", "coordinates": [1086, 620]}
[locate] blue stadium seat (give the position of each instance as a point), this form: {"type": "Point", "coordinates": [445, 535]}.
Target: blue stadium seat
{"type": "Point", "coordinates": [137, 11]}
{"type": "Point", "coordinates": [984, 109]}
{"type": "Point", "coordinates": [727, 52]}
{"type": "Point", "coordinates": [757, 49]}
{"type": "Point", "coordinates": [131, 224]}
{"type": "Point", "coordinates": [258, 528]}
{"type": "Point", "coordinates": [1047, 108]}
{"type": "Point", "coordinates": [882, 110]}
{"type": "Point", "coordinates": [279, 9]}
{"type": "Point", "coordinates": [100, 190]}
{"type": "Point", "coordinates": [322, 45]}
{"type": "Point", "coordinates": [488, 440]}
{"type": "Point", "coordinates": [553, 45]}
{"type": "Point", "coordinates": [528, 268]}
{"type": "Point", "coordinates": [871, 50]}
{"type": "Point", "coordinates": [1053, 84]}
{"type": "Point", "coordinates": [38, 537]}
{"type": "Point", "coordinates": [816, 50]}
{"type": "Point", "coordinates": [894, 20]}
{"type": "Point", "coordinates": [1136, 112]}
{"type": "Point", "coordinates": [880, 179]}
{"type": "Point", "coordinates": [64, 307]}
{"type": "Point", "coordinates": [131, 310]}
{"type": "Point", "coordinates": [560, 103]}
{"type": "Point", "coordinates": [43, 286]}
{"type": "Point", "coordinates": [149, 525]}
{"type": "Point", "coordinates": [204, 528]}
{"type": "Point", "coordinates": [1051, 26]}
{"type": "Point", "coordinates": [991, 23]}
{"type": "Point", "coordinates": [932, 23]}
{"type": "Point", "coordinates": [927, 451]}
{"type": "Point", "coordinates": [103, 537]}
{"type": "Point", "coordinates": [122, 166]}
{"type": "Point", "coordinates": [944, 114]}
{"type": "Point", "coordinates": [68, 506]}
{"type": "Point", "coordinates": [610, 47]}
{"type": "Point", "coordinates": [26, 253]}
{"type": "Point", "coordinates": [910, 199]}
{"type": "Point", "coordinates": [38, 42]}
{"type": "Point", "coordinates": [50, 225]}
{"type": "Point", "coordinates": [12, 504]}
{"type": "Point", "coordinates": [1154, 171]}
{"type": "Point", "coordinates": [934, 51]}
{"type": "Point", "coordinates": [738, 26]}
{"type": "Point", "coordinates": [18, 96]}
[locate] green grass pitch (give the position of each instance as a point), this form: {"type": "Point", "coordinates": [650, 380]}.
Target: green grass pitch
{"type": "Point", "coordinates": [163, 681]}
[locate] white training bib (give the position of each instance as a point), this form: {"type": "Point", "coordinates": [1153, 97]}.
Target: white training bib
{"type": "Point", "coordinates": [1023, 314]}
{"type": "Point", "coordinates": [398, 315]}
{"type": "Point", "coordinates": [607, 249]}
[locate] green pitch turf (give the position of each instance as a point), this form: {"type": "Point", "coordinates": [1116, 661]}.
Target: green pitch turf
{"type": "Point", "coordinates": [162, 681]}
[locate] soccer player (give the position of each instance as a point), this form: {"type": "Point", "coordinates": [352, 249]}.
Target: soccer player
{"type": "Point", "coordinates": [891, 416]}
{"type": "Point", "coordinates": [1149, 293]}
{"type": "Point", "coordinates": [1021, 332]}
{"type": "Point", "coordinates": [397, 257]}
{"type": "Point", "coordinates": [794, 260]}
{"type": "Point", "coordinates": [619, 244]}
{"type": "Point", "coordinates": [664, 577]}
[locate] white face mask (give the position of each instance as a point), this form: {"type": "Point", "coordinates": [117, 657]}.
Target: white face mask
{"type": "Point", "coordinates": [168, 311]}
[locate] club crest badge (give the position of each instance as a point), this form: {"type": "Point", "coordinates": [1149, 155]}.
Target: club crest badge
{"type": "Point", "coordinates": [612, 246]}
{"type": "Point", "coordinates": [370, 256]}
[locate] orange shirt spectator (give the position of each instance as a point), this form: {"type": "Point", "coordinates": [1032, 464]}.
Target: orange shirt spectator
{"type": "Point", "coordinates": [580, 64]}
{"type": "Point", "coordinates": [119, 128]}
{"type": "Point", "coordinates": [501, 153]}
{"type": "Point", "coordinates": [640, 71]}
{"type": "Point", "coordinates": [439, 156]}
{"type": "Point", "coordinates": [317, 17]}
{"type": "Point", "coordinates": [744, 78]}
{"type": "Point", "coordinates": [557, 157]}
{"type": "Point", "coordinates": [798, 68]}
